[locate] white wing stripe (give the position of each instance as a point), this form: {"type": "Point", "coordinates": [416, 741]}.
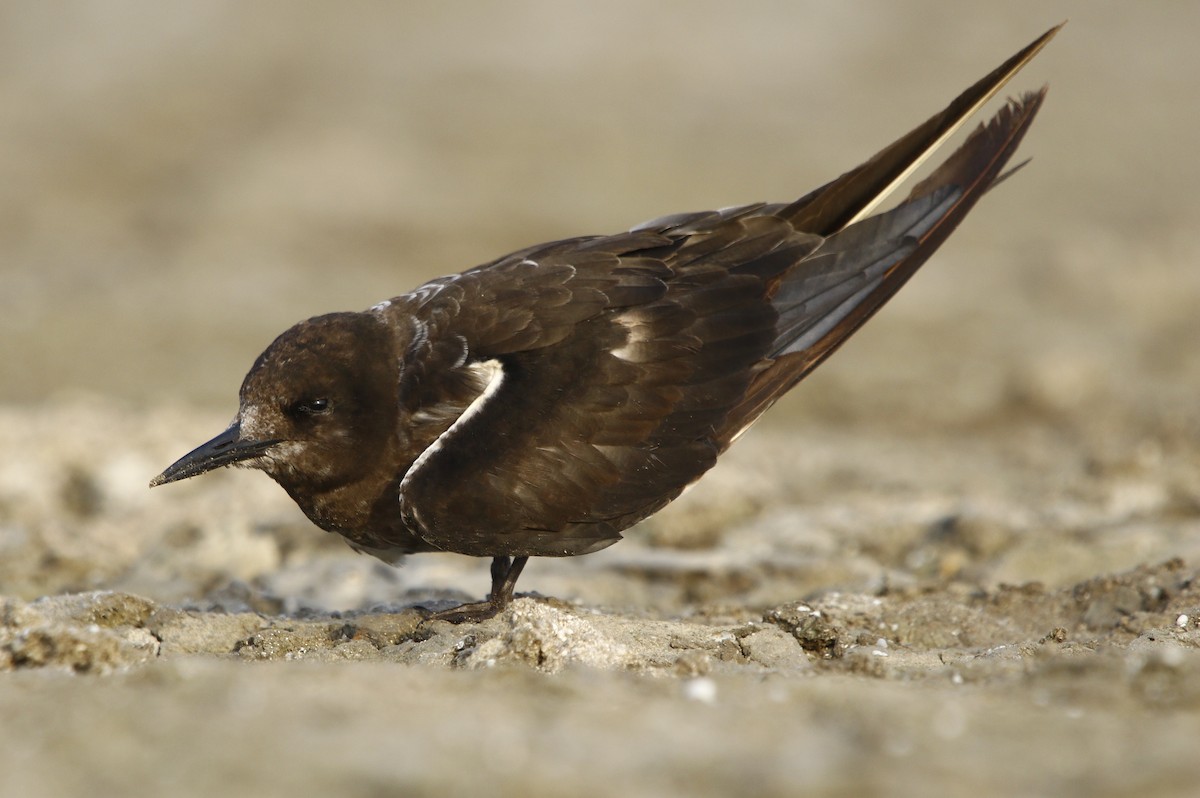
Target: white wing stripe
{"type": "Point", "coordinates": [493, 373]}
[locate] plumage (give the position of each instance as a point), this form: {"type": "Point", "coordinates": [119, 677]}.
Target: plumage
{"type": "Point", "coordinates": [540, 404]}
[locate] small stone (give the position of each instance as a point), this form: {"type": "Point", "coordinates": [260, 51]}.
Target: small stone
{"type": "Point", "coordinates": [702, 689]}
{"type": "Point", "coordinates": [774, 648]}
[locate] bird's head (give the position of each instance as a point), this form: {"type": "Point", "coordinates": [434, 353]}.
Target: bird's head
{"type": "Point", "coordinates": [314, 409]}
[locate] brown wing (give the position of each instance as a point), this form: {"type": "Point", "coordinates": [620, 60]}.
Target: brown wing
{"type": "Point", "coordinates": [594, 423]}
{"type": "Point", "coordinates": [619, 358]}
{"type": "Point", "coordinates": [618, 368]}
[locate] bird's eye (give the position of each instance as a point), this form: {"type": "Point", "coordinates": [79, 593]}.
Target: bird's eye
{"type": "Point", "coordinates": [311, 407]}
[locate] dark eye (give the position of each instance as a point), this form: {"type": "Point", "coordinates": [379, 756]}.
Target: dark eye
{"type": "Point", "coordinates": [311, 407]}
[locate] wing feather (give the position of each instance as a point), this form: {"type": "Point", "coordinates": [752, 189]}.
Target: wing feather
{"type": "Point", "coordinates": [630, 362]}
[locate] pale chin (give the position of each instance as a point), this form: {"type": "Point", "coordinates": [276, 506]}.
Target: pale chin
{"type": "Point", "coordinates": [261, 463]}
{"type": "Point", "coordinates": [277, 459]}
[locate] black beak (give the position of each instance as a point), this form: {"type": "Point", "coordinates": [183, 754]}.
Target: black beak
{"type": "Point", "coordinates": [225, 449]}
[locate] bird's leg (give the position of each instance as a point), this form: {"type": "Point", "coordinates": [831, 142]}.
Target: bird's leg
{"type": "Point", "coordinates": [504, 579]}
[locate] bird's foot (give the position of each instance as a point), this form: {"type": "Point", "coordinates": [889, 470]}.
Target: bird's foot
{"type": "Point", "coordinates": [474, 612]}
{"type": "Point", "coordinates": [504, 578]}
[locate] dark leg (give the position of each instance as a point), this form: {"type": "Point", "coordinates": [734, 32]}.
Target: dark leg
{"type": "Point", "coordinates": [504, 579]}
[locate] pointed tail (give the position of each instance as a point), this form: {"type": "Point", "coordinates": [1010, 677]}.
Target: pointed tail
{"type": "Point", "coordinates": [852, 197]}
{"type": "Point", "coordinates": [827, 297]}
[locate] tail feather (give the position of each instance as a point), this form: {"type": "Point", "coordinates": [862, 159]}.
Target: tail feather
{"type": "Point", "coordinates": [968, 173]}
{"type": "Point", "coordinates": [853, 196]}
{"type": "Point", "coordinates": [844, 271]}
{"type": "Point", "coordinates": [868, 262]}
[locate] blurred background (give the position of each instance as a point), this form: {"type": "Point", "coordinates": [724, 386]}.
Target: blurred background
{"type": "Point", "coordinates": [181, 182]}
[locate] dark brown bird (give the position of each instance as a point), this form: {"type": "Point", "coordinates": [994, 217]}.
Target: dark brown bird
{"type": "Point", "coordinates": [540, 404]}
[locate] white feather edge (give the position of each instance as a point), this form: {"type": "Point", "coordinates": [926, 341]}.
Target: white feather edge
{"type": "Point", "coordinates": [491, 371]}
{"type": "Point", "coordinates": [940, 140]}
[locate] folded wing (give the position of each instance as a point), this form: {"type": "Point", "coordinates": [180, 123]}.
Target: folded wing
{"type": "Point", "coordinates": [598, 377]}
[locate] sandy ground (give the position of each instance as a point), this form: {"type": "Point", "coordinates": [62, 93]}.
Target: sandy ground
{"type": "Point", "coordinates": [961, 560]}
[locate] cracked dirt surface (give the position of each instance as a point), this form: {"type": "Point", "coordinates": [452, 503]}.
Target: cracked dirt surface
{"type": "Point", "coordinates": [872, 633]}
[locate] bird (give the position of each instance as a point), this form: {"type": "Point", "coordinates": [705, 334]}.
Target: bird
{"type": "Point", "coordinates": [540, 404]}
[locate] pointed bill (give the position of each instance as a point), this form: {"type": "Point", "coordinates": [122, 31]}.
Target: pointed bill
{"type": "Point", "coordinates": [225, 449]}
